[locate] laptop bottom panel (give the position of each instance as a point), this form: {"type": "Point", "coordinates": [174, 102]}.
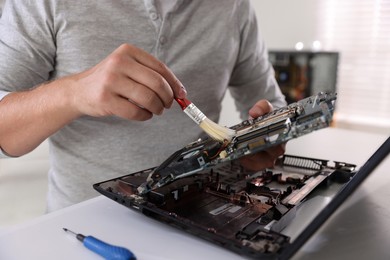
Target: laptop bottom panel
{"type": "Point", "coordinates": [258, 214]}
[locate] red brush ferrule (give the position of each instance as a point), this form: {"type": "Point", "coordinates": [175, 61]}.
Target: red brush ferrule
{"type": "Point", "coordinates": [183, 102]}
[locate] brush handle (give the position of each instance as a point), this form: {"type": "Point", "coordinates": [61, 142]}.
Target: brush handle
{"type": "Point", "coordinates": [183, 102]}
{"type": "Point", "coordinates": [106, 250]}
{"type": "Point", "coordinates": [191, 110]}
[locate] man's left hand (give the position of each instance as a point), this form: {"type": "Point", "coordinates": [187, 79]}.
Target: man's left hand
{"type": "Point", "coordinates": [267, 158]}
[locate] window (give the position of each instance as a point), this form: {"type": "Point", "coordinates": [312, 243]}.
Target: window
{"type": "Point", "coordinates": [360, 31]}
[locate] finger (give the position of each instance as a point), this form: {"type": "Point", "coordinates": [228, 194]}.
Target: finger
{"type": "Point", "coordinates": [260, 108]}
{"type": "Point", "coordinates": [150, 79]}
{"type": "Point", "coordinates": [258, 161]}
{"type": "Point", "coordinates": [277, 150]}
{"type": "Point", "coordinates": [125, 109]}
{"type": "Point", "coordinates": [139, 95]}
{"type": "Point", "coordinates": [151, 62]}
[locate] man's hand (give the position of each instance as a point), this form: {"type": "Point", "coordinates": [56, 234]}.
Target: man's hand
{"type": "Point", "coordinates": [267, 158]}
{"type": "Point", "coordinates": [129, 83]}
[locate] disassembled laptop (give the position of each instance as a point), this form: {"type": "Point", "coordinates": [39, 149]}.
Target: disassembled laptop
{"type": "Point", "coordinates": [252, 136]}
{"type": "Point", "coordinates": [203, 189]}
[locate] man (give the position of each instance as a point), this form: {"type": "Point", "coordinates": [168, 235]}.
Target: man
{"type": "Point", "coordinates": [91, 74]}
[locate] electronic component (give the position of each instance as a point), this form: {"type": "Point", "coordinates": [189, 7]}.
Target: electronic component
{"type": "Point", "coordinates": [203, 189]}
{"type": "Point", "coordinates": [254, 213]}
{"type": "Point", "coordinates": [226, 202]}
{"type": "Point", "coordinates": [251, 136]}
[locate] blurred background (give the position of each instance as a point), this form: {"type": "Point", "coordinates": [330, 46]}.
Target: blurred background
{"type": "Point", "coordinates": [323, 45]}
{"type": "Point", "coordinates": [327, 44]}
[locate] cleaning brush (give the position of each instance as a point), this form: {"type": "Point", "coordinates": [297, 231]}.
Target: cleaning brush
{"type": "Point", "coordinates": [214, 130]}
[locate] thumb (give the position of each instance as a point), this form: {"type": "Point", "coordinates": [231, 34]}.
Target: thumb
{"type": "Point", "coordinates": [260, 108]}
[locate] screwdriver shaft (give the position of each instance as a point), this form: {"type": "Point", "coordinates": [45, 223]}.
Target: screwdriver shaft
{"type": "Point", "coordinates": [106, 250]}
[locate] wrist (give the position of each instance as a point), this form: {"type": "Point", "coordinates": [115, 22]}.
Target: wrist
{"type": "Point", "coordinates": [66, 96]}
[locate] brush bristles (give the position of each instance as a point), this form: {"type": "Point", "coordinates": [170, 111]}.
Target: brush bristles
{"type": "Point", "coordinates": [217, 132]}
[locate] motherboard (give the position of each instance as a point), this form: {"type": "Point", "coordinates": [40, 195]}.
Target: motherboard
{"type": "Point", "coordinates": [204, 190]}
{"type": "Point", "coordinates": [251, 136]}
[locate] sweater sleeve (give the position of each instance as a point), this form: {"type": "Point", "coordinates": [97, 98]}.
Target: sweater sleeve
{"type": "Point", "coordinates": [253, 76]}
{"type": "Point", "coordinates": [27, 44]}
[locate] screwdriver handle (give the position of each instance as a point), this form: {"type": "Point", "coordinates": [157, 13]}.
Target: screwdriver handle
{"type": "Point", "coordinates": [106, 250]}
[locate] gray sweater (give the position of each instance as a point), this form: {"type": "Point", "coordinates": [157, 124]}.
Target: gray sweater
{"type": "Point", "coordinates": [209, 45]}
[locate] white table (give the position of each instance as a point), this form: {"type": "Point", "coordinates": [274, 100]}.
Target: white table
{"type": "Point", "coordinates": [360, 229]}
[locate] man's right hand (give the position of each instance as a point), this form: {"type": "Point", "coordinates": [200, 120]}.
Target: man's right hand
{"type": "Point", "coordinates": [129, 83]}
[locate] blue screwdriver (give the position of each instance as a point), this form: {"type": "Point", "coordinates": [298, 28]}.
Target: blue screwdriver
{"type": "Point", "coordinates": [105, 250]}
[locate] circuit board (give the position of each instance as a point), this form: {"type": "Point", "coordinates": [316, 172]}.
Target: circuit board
{"type": "Point", "coordinates": [203, 188]}
{"type": "Point", "coordinates": [251, 136]}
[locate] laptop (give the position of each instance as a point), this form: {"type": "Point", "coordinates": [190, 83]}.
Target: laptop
{"type": "Point", "coordinates": [203, 190]}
